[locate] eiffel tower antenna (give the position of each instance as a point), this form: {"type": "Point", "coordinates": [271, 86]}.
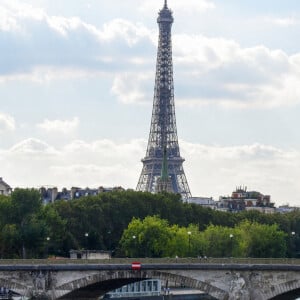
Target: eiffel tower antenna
{"type": "Point", "coordinates": [163, 150]}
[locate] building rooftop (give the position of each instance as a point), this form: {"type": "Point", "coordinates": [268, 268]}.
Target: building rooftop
{"type": "Point", "coordinates": [2, 182]}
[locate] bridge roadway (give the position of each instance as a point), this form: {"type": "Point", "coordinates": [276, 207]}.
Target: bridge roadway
{"type": "Point", "coordinates": [223, 279]}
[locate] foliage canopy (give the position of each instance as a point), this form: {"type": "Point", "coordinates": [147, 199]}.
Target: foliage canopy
{"type": "Point", "coordinates": [159, 222]}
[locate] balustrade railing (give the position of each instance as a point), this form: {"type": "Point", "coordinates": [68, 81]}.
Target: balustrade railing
{"type": "Point", "coordinates": [199, 260]}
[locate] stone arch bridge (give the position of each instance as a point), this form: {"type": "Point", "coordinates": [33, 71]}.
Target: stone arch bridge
{"type": "Point", "coordinates": [89, 281]}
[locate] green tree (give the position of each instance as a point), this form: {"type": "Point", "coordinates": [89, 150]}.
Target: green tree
{"type": "Point", "coordinates": [9, 241]}
{"type": "Point", "coordinates": [263, 240]}
{"type": "Point", "coordinates": [221, 241]}
{"type": "Point", "coordinates": [147, 238]}
{"type": "Point", "coordinates": [25, 204]}
{"type": "Point", "coordinates": [186, 241]}
{"type": "Point", "coordinates": [33, 234]}
{"type": "Point", "coordinates": [5, 210]}
{"type": "Point", "coordinates": [154, 237]}
{"type": "Point", "coordinates": [55, 230]}
{"type": "Point", "coordinates": [105, 217]}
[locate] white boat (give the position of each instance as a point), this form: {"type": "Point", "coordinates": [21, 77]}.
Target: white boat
{"type": "Point", "coordinates": [149, 287]}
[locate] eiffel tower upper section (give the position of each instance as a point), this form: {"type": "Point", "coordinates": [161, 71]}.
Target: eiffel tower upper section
{"type": "Point", "coordinates": [163, 131]}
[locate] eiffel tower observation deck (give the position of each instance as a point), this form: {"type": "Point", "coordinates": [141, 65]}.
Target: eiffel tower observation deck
{"type": "Point", "coordinates": [163, 138]}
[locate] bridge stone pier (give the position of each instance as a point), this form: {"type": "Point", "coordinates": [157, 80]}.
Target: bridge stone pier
{"type": "Point", "coordinates": [89, 281]}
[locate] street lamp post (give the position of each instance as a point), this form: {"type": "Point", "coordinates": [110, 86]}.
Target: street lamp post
{"type": "Point", "coordinates": [189, 235]}
{"type": "Point", "coordinates": [86, 246]}
{"type": "Point", "coordinates": [293, 250]}
{"type": "Point", "coordinates": [47, 246]}
{"type": "Point", "coordinates": [109, 239]}
{"type": "Point", "coordinates": [134, 243]}
{"type": "Point", "coordinates": [109, 243]}
{"type": "Point", "coordinates": [231, 245]}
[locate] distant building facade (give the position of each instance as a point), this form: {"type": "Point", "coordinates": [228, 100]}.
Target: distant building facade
{"type": "Point", "coordinates": [51, 194]}
{"type": "Point", "coordinates": [203, 201]}
{"type": "Point", "coordinates": [283, 209]}
{"type": "Point", "coordinates": [241, 199]}
{"type": "Point", "coordinates": [5, 189]}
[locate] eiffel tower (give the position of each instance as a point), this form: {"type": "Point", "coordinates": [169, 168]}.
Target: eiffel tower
{"type": "Point", "coordinates": [163, 140]}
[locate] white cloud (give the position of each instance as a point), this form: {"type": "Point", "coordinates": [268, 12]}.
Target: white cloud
{"type": "Point", "coordinates": [33, 162]}
{"type": "Point", "coordinates": [283, 22]}
{"type": "Point", "coordinates": [217, 170]}
{"type": "Point", "coordinates": [112, 30]}
{"type": "Point", "coordinates": [59, 126]}
{"type": "Point", "coordinates": [104, 49]}
{"type": "Point", "coordinates": [233, 76]}
{"type": "Point", "coordinates": [24, 18]}
{"type": "Point", "coordinates": [107, 151]}
{"type": "Point", "coordinates": [210, 71]}
{"type": "Point", "coordinates": [31, 146]}
{"type": "Point", "coordinates": [132, 88]}
{"type": "Point", "coordinates": [64, 25]}
{"type": "Point", "coordinates": [210, 170]}
{"type": "Point", "coordinates": [47, 74]}
{"type": "Point", "coordinates": [7, 122]}
{"type": "Point", "coordinates": [12, 10]}
{"type": "Point", "coordinates": [130, 32]}
{"type": "Point", "coordinates": [216, 71]}
{"type": "Point", "coordinates": [7, 23]}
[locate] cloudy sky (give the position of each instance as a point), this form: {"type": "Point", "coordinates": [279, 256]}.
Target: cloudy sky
{"type": "Point", "coordinates": [76, 90]}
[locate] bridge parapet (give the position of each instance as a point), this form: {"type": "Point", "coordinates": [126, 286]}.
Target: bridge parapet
{"type": "Point", "coordinates": [224, 281]}
{"type": "Point", "coordinates": [200, 260]}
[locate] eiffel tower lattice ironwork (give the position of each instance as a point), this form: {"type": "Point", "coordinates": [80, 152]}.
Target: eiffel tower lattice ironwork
{"type": "Point", "coordinates": [163, 131]}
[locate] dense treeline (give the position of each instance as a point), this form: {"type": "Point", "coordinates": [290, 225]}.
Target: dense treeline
{"type": "Point", "coordinates": [154, 237]}
{"type": "Point", "coordinates": [30, 229]}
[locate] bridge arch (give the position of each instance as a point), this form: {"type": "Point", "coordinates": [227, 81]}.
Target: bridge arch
{"type": "Point", "coordinates": [284, 291]}
{"type": "Point", "coordinates": [13, 286]}
{"type": "Point", "coordinates": [105, 281]}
